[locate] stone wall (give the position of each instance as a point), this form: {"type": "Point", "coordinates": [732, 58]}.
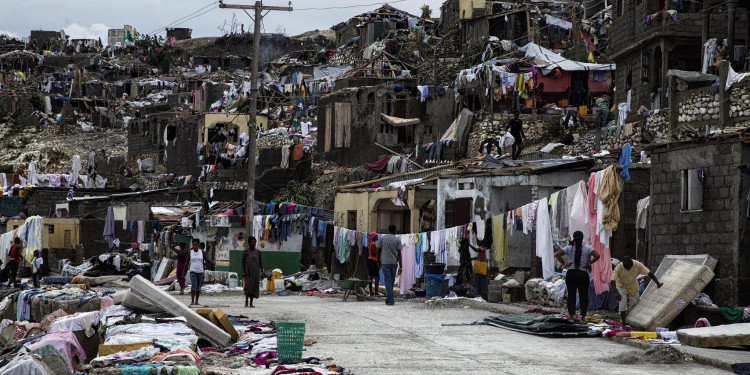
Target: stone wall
{"type": "Point", "coordinates": [714, 230]}
{"type": "Point", "coordinates": [700, 105]}
{"type": "Point", "coordinates": [534, 129]}
{"type": "Point", "coordinates": [739, 102]}
{"type": "Point", "coordinates": [655, 127]}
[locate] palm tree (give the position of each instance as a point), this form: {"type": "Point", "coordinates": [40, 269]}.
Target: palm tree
{"type": "Point", "coordinates": [426, 11]}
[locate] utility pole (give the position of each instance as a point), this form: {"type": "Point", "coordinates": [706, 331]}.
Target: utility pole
{"type": "Point", "coordinates": [576, 30]}
{"type": "Point", "coordinates": [258, 8]}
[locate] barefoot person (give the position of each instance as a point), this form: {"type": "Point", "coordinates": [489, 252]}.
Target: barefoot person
{"type": "Point", "coordinates": [625, 280]}
{"type": "Point", "coordinates": [252, 271]}
{"type": "Point", "coordinates": [182, 258]}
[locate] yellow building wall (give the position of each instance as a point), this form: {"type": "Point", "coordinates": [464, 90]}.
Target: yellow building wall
{"type": "Point", "coordinates": [239, 123]}
{"type": "Point", "coordinates": [466, 7]}
{"type": "Point", "coordinates": [55, 240]}
{"type": "Point", "coordinates": [367, 204]}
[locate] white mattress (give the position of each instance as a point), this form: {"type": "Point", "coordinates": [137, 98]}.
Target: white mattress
{"type": "Point", "coordinates": [723, 335]}
{"type": "Point", "coordinates": [658, 306]}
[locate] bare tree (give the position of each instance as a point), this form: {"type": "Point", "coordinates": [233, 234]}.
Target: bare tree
{"type": "Point", "coordinates": [230, 27]}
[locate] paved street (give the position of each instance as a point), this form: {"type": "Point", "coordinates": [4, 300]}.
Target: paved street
{"type": "Point", "coordinates": [408, 338]}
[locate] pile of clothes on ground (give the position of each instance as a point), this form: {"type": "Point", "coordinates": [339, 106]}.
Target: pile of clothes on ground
{"type": "Point", "coordinates": [113, 263]}
{"type": "Point", "coordinates": [71, 330]}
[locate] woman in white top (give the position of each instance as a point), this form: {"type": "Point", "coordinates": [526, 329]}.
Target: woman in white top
{"type": "Point", "coordinates": [197, 260]}
{"type": "Point", "coordinates": [578, 265]}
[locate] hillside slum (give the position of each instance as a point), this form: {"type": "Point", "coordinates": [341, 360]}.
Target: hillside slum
{"type": "Point", "coordinates": [118, 154]}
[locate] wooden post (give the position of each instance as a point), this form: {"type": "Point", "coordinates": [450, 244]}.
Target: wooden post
{"type": "Point", "coordinates": [258, 7]}
{"type": "Point", "coordinates": [672, 102]}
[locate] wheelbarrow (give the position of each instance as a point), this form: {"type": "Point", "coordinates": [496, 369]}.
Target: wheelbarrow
{"type": "Point", "coordinates": [354, 286]}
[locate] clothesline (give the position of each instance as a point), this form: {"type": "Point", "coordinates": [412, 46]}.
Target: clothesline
{"type": "Point", "coordinates": [589, 206]}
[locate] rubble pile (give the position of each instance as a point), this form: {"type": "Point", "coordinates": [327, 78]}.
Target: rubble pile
{"type": "Point", "coordinates": [546, 293]}
{"type": "Point", "coordinates": [446, 71]}
{"type": "Point", "coordinates": [699, 107]}
{"type": "Point", "coordinates": [274, 141]}
{"type": "Point", "coordinates": [481, 131]}
{"type": "Point", "coordinates": [328, 178]}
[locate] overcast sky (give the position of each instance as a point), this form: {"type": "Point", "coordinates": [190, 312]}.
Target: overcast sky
{"type": "Point", "coordinates": [92, 18]}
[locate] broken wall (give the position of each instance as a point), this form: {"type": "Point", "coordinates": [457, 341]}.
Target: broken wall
{"type": "Point", "coordinates": [358, 110]}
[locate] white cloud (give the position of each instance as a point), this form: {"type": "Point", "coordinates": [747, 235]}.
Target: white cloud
{"type": "Point", "coordinates": [95, 31]}
{"type": "Point", "coordinates": [10, 34]}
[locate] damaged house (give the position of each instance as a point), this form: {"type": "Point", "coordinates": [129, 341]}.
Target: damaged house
{"type": "Point", "coordinates": [651, 38]}
{"type": "Point", "coordinates": [381, 104]}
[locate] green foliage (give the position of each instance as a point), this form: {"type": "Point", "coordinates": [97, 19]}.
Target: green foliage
{"type": "Point", "coordinates": [295, 192]}
{"type": "Point", "coordinates": [426, 11]}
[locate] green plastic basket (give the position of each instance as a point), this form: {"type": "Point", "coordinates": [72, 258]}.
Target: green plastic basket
{"type": "Point", "coordinates": [290, 338]}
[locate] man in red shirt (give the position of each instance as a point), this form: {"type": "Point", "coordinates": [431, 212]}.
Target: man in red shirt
{"type": "Point", "coordinates": [15, 259]}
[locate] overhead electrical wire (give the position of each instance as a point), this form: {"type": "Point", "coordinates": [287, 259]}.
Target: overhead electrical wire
{"type": "Point", "coordinates": [189, 17]}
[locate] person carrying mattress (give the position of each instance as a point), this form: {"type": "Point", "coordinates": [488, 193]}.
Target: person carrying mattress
{"type": "Point", "coordinates": [624, 278]}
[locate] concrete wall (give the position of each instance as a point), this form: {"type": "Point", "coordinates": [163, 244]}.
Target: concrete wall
{"type": "Point", "coordinates": [53, 231]}
{"type": "Point", "coordinates": [145, 139]}
{"type": "Point", "coordinates": [367, 204]}
{"type": "Point", "coordinates": [181, 154]}
{"type": "Point", "coordinates": [719, 229]}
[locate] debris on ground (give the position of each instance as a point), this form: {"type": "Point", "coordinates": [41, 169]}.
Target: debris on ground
{"type": "Point", "coordinates": [662, 354]}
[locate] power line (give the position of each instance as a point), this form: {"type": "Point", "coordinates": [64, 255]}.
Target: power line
{"type": "Point", "coordinates": [183, 19]}
{"type": "Point", "coordinates": [351, 6]}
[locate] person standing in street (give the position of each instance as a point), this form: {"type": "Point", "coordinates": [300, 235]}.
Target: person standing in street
{"type": "Point", "coordinates": [36, 269]}
{"type": "Point", "coordinates": [480, 270]}
{"type": "Point", "coordinates": [373, 262]}
{"type": "Point", "coordinates": [515, 125]}
{"type": "Point", "coordinates": [580, 258]}
{"type": "Point", "coordinates": [464, 261]}
{"type": "Point", "coordinates": [624, 278]}
{"type": "Point", "coordinates": [252, 270]}
{"type": "Point", "coordinates": [182, 259]}
{"type": "Point", "coordinates": [14, 254]}
{"type": "Point", "coordinates": [390, 257]}
{"type": "Point", "coordinates": [198, 261]}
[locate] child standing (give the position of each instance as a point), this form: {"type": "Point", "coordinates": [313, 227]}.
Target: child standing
{"type": "Point", "coordinates": [36, 269]}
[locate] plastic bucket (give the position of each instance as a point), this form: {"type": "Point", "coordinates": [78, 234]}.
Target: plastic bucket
{"type": "Point", "coordinates": [278, 285]}
{"type": "Point", "coordinates": [233, 280]}
{"type": "Point", "coordinates": [434, 285]}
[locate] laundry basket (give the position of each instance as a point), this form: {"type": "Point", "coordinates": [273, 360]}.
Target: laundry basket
{"type": "Point", "coordinates": [434, 285]}
{"type": "Point", "coordinates": [290, 337]}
